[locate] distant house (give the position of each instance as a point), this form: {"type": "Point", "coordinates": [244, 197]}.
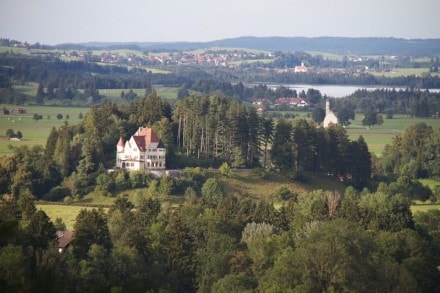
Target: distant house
{"type": "Point", "coordinates": [64, 238]}
{"type": "Point", "coordinates": [330, 117]}
{"type": "Point", "coordinates": [19, 111]}
{"type": "Point", "coordinates": [261, 109]}
{"type": "Point", "coordinates": [143, 151]}
{"type": "Point", "coordinates": [293, 102]}
{"type": "Point", "coordinates": [260, 102]}
{"type": "Point", "coordinates": [4, 111]}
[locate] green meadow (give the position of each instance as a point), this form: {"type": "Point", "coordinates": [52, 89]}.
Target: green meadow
{"type": "Point", "coordinates": [35, 132]}
{"type": "Point", "coordinates": [379, 136]}
{"type": "Point", "coordinates": [67, 213]}
{"type": "Point", "coordinates": [396, 72]}
{"type": "Point", "coordinates": [424, 207]}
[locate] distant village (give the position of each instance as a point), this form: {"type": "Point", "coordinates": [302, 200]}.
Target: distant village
{"type": "Point", "coordinates": [291, 102]}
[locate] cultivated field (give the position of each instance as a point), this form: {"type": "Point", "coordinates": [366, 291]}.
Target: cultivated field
{"type": "Point", "coordinates": [67, 213]}
{"type": "Point", "coordinates": [378, 136]}
{"type": "Point", "coordinates": [35, 132]}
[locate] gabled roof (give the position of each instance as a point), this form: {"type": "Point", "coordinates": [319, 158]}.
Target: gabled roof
{"type": "Point", "coordinates": [140, 142]}
{"type": "Point", "coordinates": [145, 138]}
{"type": "Point", "coordinates": [64, 238]}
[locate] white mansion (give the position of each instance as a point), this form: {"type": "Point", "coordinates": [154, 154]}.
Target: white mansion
{"type": "Point", "coordinates": [143, 151]}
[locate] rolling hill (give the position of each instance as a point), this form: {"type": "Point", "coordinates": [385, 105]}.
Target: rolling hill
{"type": "Point", "coordinates": [375, 46]}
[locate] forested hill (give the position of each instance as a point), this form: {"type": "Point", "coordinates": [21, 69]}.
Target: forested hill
{"type": "Point", "coordinates": [391, 46]}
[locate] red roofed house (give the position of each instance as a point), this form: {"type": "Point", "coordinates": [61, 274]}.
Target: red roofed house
{"type": "Point", "coordinates": [143, 151]}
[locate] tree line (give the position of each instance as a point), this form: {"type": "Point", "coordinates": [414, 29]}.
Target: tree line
{"type": "Point", "coordinates": [415, 103]}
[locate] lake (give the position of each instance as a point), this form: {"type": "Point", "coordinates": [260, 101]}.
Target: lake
{"type": "Point", "coordinates": [336, 91]}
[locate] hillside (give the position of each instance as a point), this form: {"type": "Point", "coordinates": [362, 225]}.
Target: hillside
{"type": "Point", "coordinates": [375, 46]}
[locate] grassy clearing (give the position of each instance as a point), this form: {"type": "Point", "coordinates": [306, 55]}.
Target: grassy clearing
{"type": "Point", "coordinates": [29, 89]}
{"type": "Point", "coordinates": [169, 93]}
{"type": "Point", "coordinates": [24, 51]}
{"type": "Point", "coordinates": [116, 93]}
{"type": "Point", "coordinates": [378, 136]}
{"type": "Point", "coordinates": [431, 183]}
{"type": "Point", "coordinates": [67, 213]}
{"type": "Point", "coordinates": [402, 72]}
{"type": "Point", "coordinates": [245, 183]}
{"type": "Point", "coordinates": [238, 62]}
{"type": "Point", "coordinates": [163, 92]}
{"type": "Point", "coordinates": [125, 52]}
{"type": "Point", "coordinates": [329, 56]}
{"type": "Point", "coordinates": [35, 133]}
{"type": "Point", "coordinates": [424, 207]}
{"type": "Point", "coordinates": [204, 50]}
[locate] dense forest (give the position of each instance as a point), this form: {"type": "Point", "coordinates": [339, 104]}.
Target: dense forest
{"type": "Point", "coordinates": [216, 242]}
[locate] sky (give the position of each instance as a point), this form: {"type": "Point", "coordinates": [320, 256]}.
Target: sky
{"type": "Point", "coordinates": [64, 21]}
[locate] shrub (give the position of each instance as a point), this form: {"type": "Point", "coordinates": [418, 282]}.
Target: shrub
{"type": "Point", "coordinates": [283, 193]}
{"type": "Point", "coordinates": [57, 193]}
{"type": "Point", "coordinates": [225, 170]}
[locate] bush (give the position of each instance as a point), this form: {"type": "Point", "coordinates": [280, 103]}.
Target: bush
{"type": "Point", "coordinates": [435, 194]}
{"type": "Point", "coordinates": [121, 180]}
{"type": "Point", "coordinates": [283, 193]}
{"type": "Point", "coordinates": [260, 173]}
{"type": "Point", "coordinates": [190, 195]}
{"type": "Point", "coordinates": [139, 179]}
{"type": "Point", "coordinates": [105, 182]}
{"type": "Point", "coordinates": [68, 200]}
{"type": "Point", "coordinates": [57, 194]}
{"type": "Point", "coordinates": [225, 170]}
{"type": "Point", "coordinates": [212, 192]}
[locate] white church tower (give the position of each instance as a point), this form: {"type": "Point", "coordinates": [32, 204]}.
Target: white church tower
{"type": "Point", "coordinates": [330, 117]}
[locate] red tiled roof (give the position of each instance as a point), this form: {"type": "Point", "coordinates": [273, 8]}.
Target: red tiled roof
{"type": "Point", "coordinates": [144, 137]}
{"type": "Point", "coordinates": [140, 141]}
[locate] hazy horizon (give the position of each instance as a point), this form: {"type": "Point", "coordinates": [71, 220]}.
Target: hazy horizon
{"type": "Point", "coordinates": [60, 21]}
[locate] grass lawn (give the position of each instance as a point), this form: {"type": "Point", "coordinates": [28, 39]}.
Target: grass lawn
{"type": "Point", "coordinates": [239, 62]}
{"type": "Point", "coordinates": [116, 93]}
{"type": "Point", "coordinates": [430, 182]}
{"type": "Point", "coordinates": [169, 93]}
{"type": "Point", "coordinates": [245, 183]}
{"type": "Point", "coordinates": [29, 89]}
{"type": "Point", "coordinates": [378, 136]}
{"type": "Point", "coordinates": [35, 132]}
{"type": "Point", "coordinates": [67, 213]}
{"type": "Point", "coordinates": [402, 72]}
{"type": "Point", "coordinates": [17, 50]}
{"type": "Point", "coordinates": [424, 207]}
